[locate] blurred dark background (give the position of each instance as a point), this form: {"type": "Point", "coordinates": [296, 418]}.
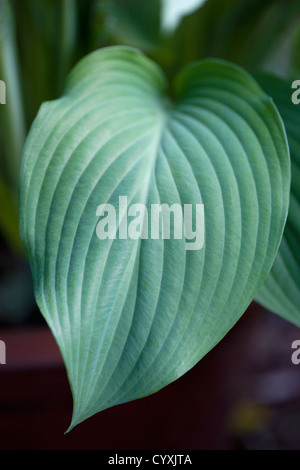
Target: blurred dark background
{"type": "Point", "coordinates": [245, 394]}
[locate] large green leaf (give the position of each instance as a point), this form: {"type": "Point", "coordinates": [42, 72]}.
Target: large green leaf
{"type": "Point", "coordinates": [131, 316]}
{"type": "Point", "coordinates": [281, 292]}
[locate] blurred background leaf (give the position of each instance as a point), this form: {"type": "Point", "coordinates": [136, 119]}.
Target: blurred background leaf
{"type": "Point", "coordinates": [281, 291]}
{"type": "Point", "coordinates": [46, 45]}
{"type": "Point", "coordinates": [243, 32]}
{"type": "Point", "coordinates": [294, 70]}
{"type": "Point", "coordinates": [12, 115]}
{"type": "Point", "coordinates": [134, 23]}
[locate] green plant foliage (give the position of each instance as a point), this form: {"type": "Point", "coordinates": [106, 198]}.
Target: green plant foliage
{"type": "Point", "coordinates": [13, 132]}
{"type": "Point", "coordinates": [131, 316]}
{"type": "Point", "coordinates": [281, 292]}
{"type": "Point", "coordinates": [46, 40]}
{"type": "Point", "coordinates": [134, 23]}
{"type": "Point", "coordinates": [12, 122]}
{"type": "Point", "coordinates": [243, 32]}
{"type": "Point", "coordinates": [294, 69]}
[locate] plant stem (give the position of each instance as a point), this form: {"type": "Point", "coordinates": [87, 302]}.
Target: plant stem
{"type": "Point", "coordinates": [65, 39]}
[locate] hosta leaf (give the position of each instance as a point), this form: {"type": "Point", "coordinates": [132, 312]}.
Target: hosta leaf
{"type": "Point", "coordinates": [281, 292]}
{"type": "Point", "coordinates": [131, 316]}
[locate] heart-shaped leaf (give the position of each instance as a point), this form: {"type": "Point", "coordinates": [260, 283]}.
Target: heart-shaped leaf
{"type": "Point", "coordinates": [281, 292]}
{"type": "Point", "coordinates": [131, 316]}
